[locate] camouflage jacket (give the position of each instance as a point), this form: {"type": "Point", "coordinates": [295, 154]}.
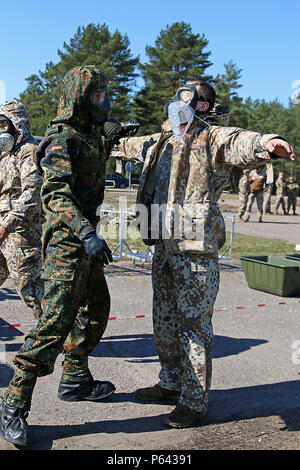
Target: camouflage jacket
{"type": "Point", "coordinates": [20, 182]}
{"type": "Point", "coordinates": [244, 185]}
{"type": "Point", "coordinates": [280, 187]}
{"type": "Point", "coordinates": [190, 175]}
{"type": "Point", "coordinates": [72, 158]}
{"type": "Point", "coordinates": [292, 189]}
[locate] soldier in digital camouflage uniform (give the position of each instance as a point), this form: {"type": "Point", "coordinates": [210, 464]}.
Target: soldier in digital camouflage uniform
{"type": "Point", "coordinates": [76, 301]}
{"type": "Point", "coordinates": [186, 166]}
{"type": "Point", "coordinates": [280, 193]}
{"type": "Point", "coordinates": [269, 189]}
{"type": "Point", "coordinates": [292, 190]}
{"type": "Point", "coordinates": [244, 190]}
{"type": "Point", "coordinates": [20, 206]}
{"type": "Point", "coordinates": [257, 188]}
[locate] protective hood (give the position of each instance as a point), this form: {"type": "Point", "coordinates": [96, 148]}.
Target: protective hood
{"type": "Point", "coordinates": [73, 108]}
{"type": "Point", "coordinates": [19, 116]}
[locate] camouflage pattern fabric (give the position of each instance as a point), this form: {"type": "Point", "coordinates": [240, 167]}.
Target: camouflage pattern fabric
{"type": "Point", "coordinates": [20, 259]}
{"type": "Point", "coordinates": [292, 191]}
{"type": "Point", "coordinates": [244, 190]}
{"type": "Point", "coordinates": [267, 198]}
{"type": "Point", "coordinates": [281, 187]}
{"type": "Point", "coordinates": [77, 84]}
{"type": "Point", "coordinates": [199, 167]}
{"type": "Point", "coordinates": [76, 300]}
{"type": "Point", "coordinates": [185, 272]}
{"type": "Point", "coordinates": [75, 315]}
{"type": "Point", "coordinates": [280, 193]}
{"type": "Point", "coordinates": [20, 211]}
{"type": "Point", "coordinates": [184, 291]}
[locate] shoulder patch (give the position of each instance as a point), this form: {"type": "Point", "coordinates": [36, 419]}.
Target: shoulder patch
{"type": "Point", "coordinates": [56, 147]}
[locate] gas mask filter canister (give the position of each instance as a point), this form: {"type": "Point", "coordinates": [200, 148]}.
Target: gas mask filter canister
{"type": "Point", "coordinates": [6, 142]}
{"type": "Point", "coordinates": [6, 139]}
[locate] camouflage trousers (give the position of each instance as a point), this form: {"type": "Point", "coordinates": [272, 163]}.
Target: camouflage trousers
{"type": "Point", "coordinates": [280, 202]}
{"type": "Point", "coordinates": [291, 202]}
{"type": "Point", "coordinates": [243, 198]}
{"type": "Point", "coordinates": [185, 287]}
{"type": "Point", "coordinates": [259, 197]}
{"type": "Point", "coordinates": [75, 307]}
{"type": "Point", "coordinates": [21, 260]}
{"type": "Point", "coordinates": [267, 198]}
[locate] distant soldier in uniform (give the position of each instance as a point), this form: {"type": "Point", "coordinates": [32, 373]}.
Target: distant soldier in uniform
{"type": "Point", "coordinates": [268, 189]}
{"type": "Point", "coordinates": [20, 206]}
{"type": "Point", "coordinates": [76, 302]}
{"type": "Point", "coordinates": [281, 188]}
{"type": "Point", "coordinates": [186, 167]}
{"type": "Point", "coordinates": [292, 191]}
{"type": "Point", "coordinates": [244, 190]}
{"type": "Point", "coordinates": [257, 186]}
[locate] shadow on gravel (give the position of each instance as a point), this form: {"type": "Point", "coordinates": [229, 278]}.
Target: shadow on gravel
{"type": "Point", "coordinates": [279, 399]}
{"type": "Point", "coordinates": [8, 294]}
{"type": "Point", "coordinates": [6, 374]}
{"type": "Point", "coordinates": [43, 436]}
{"type": "Point", "coordinates": [7, 334]}
{"type": "Point", "coordinates": [141, 347]}
{"type": "Point", "coordinates": [139, 270]}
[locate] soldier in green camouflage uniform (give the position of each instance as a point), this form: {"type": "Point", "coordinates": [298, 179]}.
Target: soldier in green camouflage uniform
{"type": "Point", "coordinates": [280, 193]}
{"type": "Point", "coordinates": [76, 301]}
{"type": "Point", "coordinates": [292, 190]}
{"type": "Point", "coordinates": [244, 190]}
{"type": "Point", "coordinates": [186, 175]}
{"type": "Point", "coordinates": [20, 209]}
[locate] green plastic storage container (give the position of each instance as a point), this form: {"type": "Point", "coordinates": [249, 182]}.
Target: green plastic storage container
{"type": "Point", "coordinates": [273, 274]}
{"type": "Point", "coordinates": [295, 256]}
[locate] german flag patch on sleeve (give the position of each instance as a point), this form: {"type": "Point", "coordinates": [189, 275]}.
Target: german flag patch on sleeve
{"type": "Point", "coordinates": [56, 147]}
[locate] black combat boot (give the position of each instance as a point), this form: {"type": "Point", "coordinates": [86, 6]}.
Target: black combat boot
{"type": "Point", "coordinates": [13, 426]}
{"type": "Point", "coordinates": [182, 417]}
{"type": "Point", "coordinates": [92, 390]}
{"type": "Point", "coordinates": [157, 394]}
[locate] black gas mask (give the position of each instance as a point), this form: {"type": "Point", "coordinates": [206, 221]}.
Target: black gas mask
{"type": "Point", "coordinates": [188, 95]}
{"type": "Point", "coordinates": [99, 105]}
{"type": "Point", "coordinates": [7, 132]}
{"type": "Point", "coordinates": [181, 109]}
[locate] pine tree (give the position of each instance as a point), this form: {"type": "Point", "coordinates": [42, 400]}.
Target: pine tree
{"type": "Point", "coordinates": [226, 86]}
{"type": "Point", "coordinates": [178, 55]}
{"type": "Point", "coordinates": [91, 45]}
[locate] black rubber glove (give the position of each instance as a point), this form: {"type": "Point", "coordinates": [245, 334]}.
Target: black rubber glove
{"type": "Point", "coordinates": [114, 130]}
{"type": "Point", "coordinates": [129, 128]}
{"type": "Point", "coordinates": [97, 248]}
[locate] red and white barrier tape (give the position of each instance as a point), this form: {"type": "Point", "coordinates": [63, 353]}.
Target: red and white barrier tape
{"type": "Point", "coordinates": [15, 325]}
{"type": "Point", "coordinates": [225, 309]}
{"type": "Point", "coordinates": [258, 305]}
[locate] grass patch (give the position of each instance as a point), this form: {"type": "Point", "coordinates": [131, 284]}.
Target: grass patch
{"type": "Point", "coordinates": [243, 245]}
{"type": "Point", "coordinates": [247, 245]}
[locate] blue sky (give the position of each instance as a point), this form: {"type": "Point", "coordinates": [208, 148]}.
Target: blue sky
{"type": "Point", "coordinates": [261, 37]}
